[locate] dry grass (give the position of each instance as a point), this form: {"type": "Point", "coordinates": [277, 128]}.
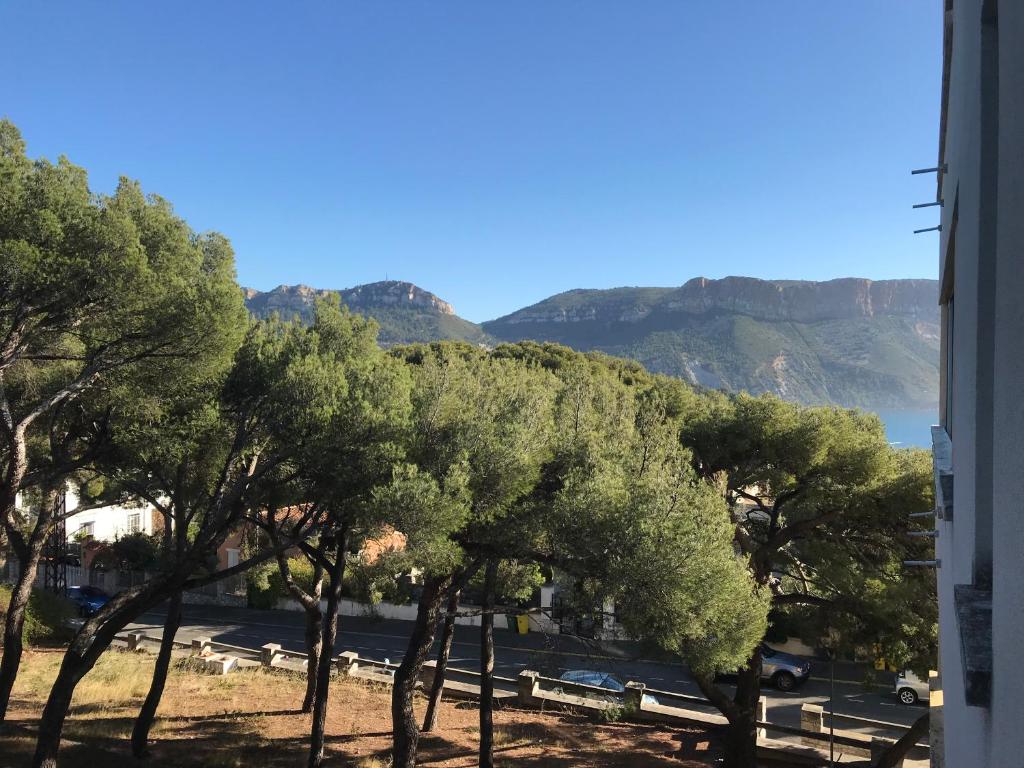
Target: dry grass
{"type": "Point", "coordinates": [251, 718]}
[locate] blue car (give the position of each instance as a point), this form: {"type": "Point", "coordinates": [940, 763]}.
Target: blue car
{"type": "Point", "coordinates": [602, 680]}
{"type": "Point", "coordinates": [88, 599]}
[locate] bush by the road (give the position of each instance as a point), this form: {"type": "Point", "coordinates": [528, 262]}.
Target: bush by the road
{"type": "Point", "coordinates": [45, 618]}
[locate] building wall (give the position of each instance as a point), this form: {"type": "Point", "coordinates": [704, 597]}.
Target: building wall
{"type": "Point", "coordinates": [109, 523]}
{"type": "Point", "coordinates": [1008, 453]}
{"type": "Point", "coordinates": [959, 254]}
{"type": "Point", "coordinates": [981, 251]}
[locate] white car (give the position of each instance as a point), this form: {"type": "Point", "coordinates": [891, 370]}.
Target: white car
{"type": "Point", "coordinates": [910, 688]}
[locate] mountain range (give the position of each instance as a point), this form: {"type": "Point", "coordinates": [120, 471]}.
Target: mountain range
{"type": "Point", "coordinates": [850, 341]}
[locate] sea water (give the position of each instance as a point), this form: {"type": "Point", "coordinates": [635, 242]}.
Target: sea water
{"type": "Point", "coordinates": [910, 429]}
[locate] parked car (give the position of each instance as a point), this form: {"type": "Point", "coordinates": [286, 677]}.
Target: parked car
{"type": "Point", "coordinates": [88, 599]}
{"type": "Point", "coordinates": [604, 680]}
{"type": "Point", "coordinates": [783, 670]}
{"type": "Point", "coordinates": [910, 688]}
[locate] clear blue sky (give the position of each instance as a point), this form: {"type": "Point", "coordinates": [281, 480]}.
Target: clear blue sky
{"type": "Point", "coordinates": [497, 153]}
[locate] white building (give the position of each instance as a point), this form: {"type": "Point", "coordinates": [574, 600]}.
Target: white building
{"type": "Point", "coordinates": [108, 523]}
{"type": "Point", "coordinates": [979, 454]}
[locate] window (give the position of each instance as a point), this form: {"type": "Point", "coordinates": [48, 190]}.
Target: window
{"type": "Point", "coordinates": [86, 529]}
{"type": "Point", "coordinates": [134, 522]}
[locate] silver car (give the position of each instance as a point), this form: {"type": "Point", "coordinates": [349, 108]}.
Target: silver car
{"type": "Point", "coordinates": [783, 670]}
{"type": "Point", "coordinates": [910, 688]}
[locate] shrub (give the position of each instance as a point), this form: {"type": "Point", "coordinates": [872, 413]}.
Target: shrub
{"type": "Point", "coordinates": [266, 586]}
{"type": "Point", "coordinates": [45, 618]}
{"type": "Point", "coordinates": [611, 714]}
{"type": "Point", "coordinates": [364, 583]}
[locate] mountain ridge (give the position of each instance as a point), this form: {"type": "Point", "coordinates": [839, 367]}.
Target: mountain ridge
{"type": "Point", "coordinates": [850, 341]}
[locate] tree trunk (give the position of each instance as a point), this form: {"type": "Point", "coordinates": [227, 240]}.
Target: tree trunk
{"type": "Point", "coordinates": [741, 743]}
{"type": "Point", "coordinates": [88, 645]}
{"type": "Point", "coordinates": [405, 732]}
{"type": "Point", "coordinates": [14, 625]}
{"type": "Point", "coordinates": [310, 603]}
{"type": "Point", "coordinates": [147, 714]}
{"type": "Point", "coordinates": [314, 646]}
{"type": "Point", "coordinates": [28, 554]}
{"type": "Point", "coordinates": [740, 711]}
{"type": "Point", "coordinates": [741, 747]}
{"type": "Point", "coordinates": [323, 667]}
{"type": "Point", "coordinates": [437, 689]}
{"type": "Point", "coordinates": [897, 751]}
{"type": "Point", "coordinates": [487, 667]}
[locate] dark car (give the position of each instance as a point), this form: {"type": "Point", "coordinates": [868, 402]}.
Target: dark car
{"type": "Point", "coordinates": [88, 599]}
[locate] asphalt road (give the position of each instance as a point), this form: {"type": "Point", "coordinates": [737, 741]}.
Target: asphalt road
{"type": "Point", "coordinates": [549, 654]}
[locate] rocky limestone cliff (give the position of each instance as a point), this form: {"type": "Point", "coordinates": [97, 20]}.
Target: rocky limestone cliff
{"type": "Point", "coordinates": [405, 313]}
{"type": "Point", "coordinates": [774, 300]}
{"type": "Point", "coordinates": [849, 341]}
{"type": "Point", "coordinates": [288, 300]}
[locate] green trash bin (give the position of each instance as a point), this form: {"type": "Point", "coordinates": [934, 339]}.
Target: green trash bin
{"type": "Point", "coordinates": [522, 624]}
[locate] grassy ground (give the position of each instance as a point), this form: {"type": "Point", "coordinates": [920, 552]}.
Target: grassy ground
{"type": "Point", "coordinates": [251, 718]}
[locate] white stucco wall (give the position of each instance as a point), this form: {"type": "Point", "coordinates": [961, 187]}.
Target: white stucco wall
{"type": "Point", "coordinates": [108, 523]}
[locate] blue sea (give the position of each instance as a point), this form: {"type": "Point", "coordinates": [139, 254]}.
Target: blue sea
{"type": "Point", "coordinates": [907, 429]}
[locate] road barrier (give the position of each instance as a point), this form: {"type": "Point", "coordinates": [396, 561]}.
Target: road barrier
{"type": "Point", "coordinates": [532, 690]}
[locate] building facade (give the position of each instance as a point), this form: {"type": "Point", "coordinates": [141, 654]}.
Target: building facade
{"type": "Point", "coordinates": [978, 447]}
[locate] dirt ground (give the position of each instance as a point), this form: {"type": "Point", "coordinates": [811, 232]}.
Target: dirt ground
{"type": "Point", "coordinates": [251, 718]}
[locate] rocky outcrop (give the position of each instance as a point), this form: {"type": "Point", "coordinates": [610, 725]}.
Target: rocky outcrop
{"type": "Point", "coordinates": [849, 341]}
{"type": "Point", "coordinates": [797, 301]}
{"type": "Point", "coordinates": [290, 300]}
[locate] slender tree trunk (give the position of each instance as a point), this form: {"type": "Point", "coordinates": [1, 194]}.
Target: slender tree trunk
{"type": "Point", "coordinates": [28, 554]}
{"type": "Point", "coordinates": [437, 688]}
{"type": "Point", "coordinates": [314, 646]}
{"type": "Point", "coordinates": [323, 667]}
{"type": "Point", "coordinates": [93, 638]}
{"type": "Point", "coordinates": [147, 714]}
{"type": "Point", "coordinates": [14, 624]}
{"type": "Point", "coordinates": [487, 667]}
{"type": "Point", "coordinates": [310, 602]}
{"type": "Point", "coordinates": [88, 645]}
{"type": "Point", "coordinates": [405, 732]}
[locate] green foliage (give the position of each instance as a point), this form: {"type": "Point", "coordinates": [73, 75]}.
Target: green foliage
{"type": "Point", "coordinates": [265, 585]}
{"type": "Point", "coordinates": [46, 616]}
{"type": "Point", "coordinates": [517, 581]}
{"type": "Point", "coordinates": [612, 714]}
{"type": "Point", "coordinates": [132, 552]}
{"type": "Point", "coordinates": [822, 504]}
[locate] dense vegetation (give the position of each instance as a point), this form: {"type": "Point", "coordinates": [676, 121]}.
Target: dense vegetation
{"type": "Point", "coordinates": [695, 512]}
